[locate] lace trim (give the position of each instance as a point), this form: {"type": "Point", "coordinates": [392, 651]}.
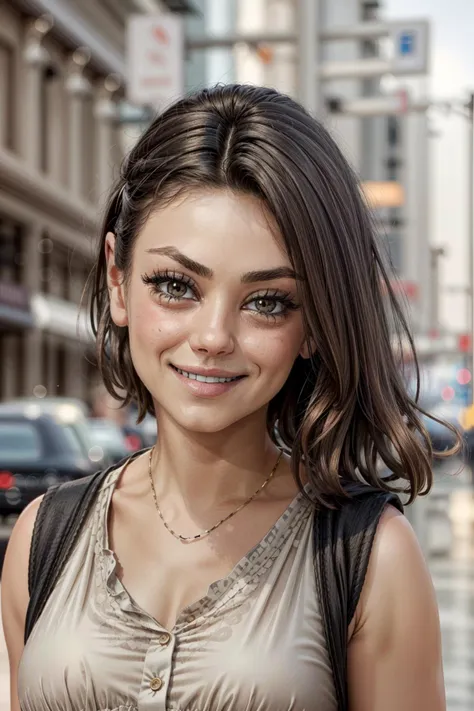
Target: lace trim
{"type": "Point", "coordinates": [230, 590]}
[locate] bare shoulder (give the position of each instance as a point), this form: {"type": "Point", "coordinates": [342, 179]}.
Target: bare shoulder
{"type": "Point", "coordinates": [396, 645]}
{"type": "Point", "coordinates": [15, 595]}
{"type": "Point", "coordinates": [396, 551]}
{"type": "Point", "coordinates": [395, 540]}
{"type": "Point", "coordinates": [397, 568]}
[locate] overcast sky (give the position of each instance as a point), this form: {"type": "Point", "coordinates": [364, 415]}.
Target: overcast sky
{"type": "Point", "coordinates": [452, 76]}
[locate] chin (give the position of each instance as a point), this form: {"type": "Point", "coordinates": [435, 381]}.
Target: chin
{"type": "Point", "coordinates": [210, 422]}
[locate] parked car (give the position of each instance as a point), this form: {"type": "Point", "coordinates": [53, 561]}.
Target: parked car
{"type": "Point", "coordinates": [108, 439]}
{"type": "Point", "coordinates": [36, 452]}
{"type": "Point", "coordinates": [71, 413]}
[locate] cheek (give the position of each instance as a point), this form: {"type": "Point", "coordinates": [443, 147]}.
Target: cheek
{"type": "Point", "coordinates": [152, 327]}
{"type": "Point", "coordinates": [275, 348]}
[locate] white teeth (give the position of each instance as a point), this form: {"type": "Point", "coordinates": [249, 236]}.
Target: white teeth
{"type": "Point", "coordinates": [204, 378]}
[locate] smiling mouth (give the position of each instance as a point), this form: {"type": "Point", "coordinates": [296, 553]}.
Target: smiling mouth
{"type": "Point", "coordinates": [206, 378]}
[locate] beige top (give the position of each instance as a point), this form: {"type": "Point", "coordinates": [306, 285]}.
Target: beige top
{"type": "Point", "coordinates": [254, 643]}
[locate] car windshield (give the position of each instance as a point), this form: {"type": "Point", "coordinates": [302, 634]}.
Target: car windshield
{"type": "Point", "coordinates": [19, 442]}
{"type": "Point", "coordinates": [73, 439]}
{"type": "Point", "coordinates": [104, 433]}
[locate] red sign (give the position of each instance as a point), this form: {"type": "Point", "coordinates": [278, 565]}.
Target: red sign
{"type": "Point", "coordinates": [155, 49]}
{"type": "Point", "coordinates": [465, 343]}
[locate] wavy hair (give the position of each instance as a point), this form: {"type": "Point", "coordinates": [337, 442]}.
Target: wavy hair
{"type": "Point", "coordinates": [346, 410]}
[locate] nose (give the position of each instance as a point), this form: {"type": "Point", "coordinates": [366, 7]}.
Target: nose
{"type": "Point", "coordinates": [212, 331]}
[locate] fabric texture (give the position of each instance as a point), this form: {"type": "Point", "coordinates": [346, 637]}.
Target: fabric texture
{"type": "Point", "coordinates": [255, 642]}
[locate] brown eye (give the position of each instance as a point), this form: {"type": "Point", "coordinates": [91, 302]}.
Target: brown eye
{"type": "Point", "coordinates": [270, 304]}
{"type": "Point", "coordinates": [171, 287]}
{"type": "Point", "coordinates": [265, 306]}
{"type": "Point", "coordinates": [176, 289]}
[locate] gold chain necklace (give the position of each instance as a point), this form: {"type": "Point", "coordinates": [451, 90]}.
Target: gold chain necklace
{"type": "Point", "coordinates": [219, 523]}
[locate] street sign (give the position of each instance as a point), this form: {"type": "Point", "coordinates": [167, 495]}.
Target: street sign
{"type": "Point", "coordinates": [410, 47]}
{"type": "Point", "coordinates": [384, 105]}
{"type": "Point", "coordinates": [155, 58]}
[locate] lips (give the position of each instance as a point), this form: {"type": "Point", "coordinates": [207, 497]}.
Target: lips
{"type": "Point", "coordinates": [207, 382]}
{"type": "Point", "coordinates": [208, 375]}
{"type": "Point", "coordinates": [206, 378]}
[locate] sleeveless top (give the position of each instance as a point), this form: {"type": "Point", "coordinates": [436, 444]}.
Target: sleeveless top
{"type": "Point", "coordinates": [254, 642]}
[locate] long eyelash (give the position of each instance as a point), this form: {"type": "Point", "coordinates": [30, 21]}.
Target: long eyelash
{"type": "Point", "coordinates": [284, 297]}
{"type": "Point", "coordinates": [158, 277]}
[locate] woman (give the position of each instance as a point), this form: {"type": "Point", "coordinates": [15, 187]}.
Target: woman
{"type": "Point", "coordinates": [240, 296]}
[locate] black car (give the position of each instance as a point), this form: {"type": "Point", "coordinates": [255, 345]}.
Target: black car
{"type": "Point", "coordinates": [35, 453]}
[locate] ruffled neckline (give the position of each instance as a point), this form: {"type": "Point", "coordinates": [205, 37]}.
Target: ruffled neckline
{"type": "Point", "coordinates": [243, 578]}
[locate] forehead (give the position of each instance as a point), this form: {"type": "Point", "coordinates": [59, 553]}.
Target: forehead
{"type": "Point", "coordinates": [221, 229]}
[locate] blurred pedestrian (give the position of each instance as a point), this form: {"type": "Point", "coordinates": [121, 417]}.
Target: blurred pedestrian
{"type": "Point", "coordinates": [240, 296]}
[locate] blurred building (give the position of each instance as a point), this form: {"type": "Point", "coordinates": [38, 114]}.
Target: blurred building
{"type": "Point", "coordinates": [58, 151]}
{"type": "Point", "coordinates": [387, 151]}
{"type": "Point", "coordinates": [61, 69]}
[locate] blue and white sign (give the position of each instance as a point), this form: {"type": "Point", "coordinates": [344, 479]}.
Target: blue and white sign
{"type": "Point", "coordinates": [410, 47]}
{"type": "Point", "coordinates": [407, 43]}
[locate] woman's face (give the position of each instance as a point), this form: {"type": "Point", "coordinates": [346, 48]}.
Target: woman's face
{"type": "Point", "coordinates": [212, 309]}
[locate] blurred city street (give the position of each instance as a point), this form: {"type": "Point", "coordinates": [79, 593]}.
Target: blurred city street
{"type": "Point", "coordinates": [453, 577]}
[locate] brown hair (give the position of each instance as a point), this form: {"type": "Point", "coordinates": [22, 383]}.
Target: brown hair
{"type": "Point", "coordinates": [346, 409]}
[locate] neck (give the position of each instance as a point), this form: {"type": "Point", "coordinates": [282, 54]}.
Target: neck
{"type": "Point", "coordinates": [217, 468]}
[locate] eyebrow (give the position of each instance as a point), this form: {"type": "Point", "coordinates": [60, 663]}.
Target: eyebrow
{"type": "Point", "coordinates": [203, 271]}
{"type": "Point", "coordinates": [182, 259]}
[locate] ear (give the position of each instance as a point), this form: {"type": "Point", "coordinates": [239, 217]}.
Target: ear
{"type": "Point", "coordinates": [115, 284]}
{"type": "Point", "coordinates": [308, 348]}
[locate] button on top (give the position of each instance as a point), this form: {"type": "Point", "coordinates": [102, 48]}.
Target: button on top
{"type": "Point", "coordinates": [164, 638]}
{"type": "Point", "coordinates": [156, 683]}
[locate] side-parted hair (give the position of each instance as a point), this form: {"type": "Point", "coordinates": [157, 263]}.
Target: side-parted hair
{"type": "Point", "coordinates": [346, 410]}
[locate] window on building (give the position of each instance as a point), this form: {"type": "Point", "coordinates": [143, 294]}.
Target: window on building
{"type": "Point", "coordinates": [370, 10]}
{"type": "Point", "coordinates": [89, 150]}
{"type": "Point", "coordinates": [18, 254]}
{"type": "Point", "coordinates": [393, 131]}
{"type": "Point", "coordinates": [13, 359]}
{"type": "Point", "coordinates": [21, 364]}
{"type": "Point", "coordinates": [47, 110]}
{"type": "Point", "coordinates": [46, 266]}
{"type": "Point", "coordinates": [66, 277]}
{"type": "Point", "coordinates": [10, 251]}
{"type": "Point", "coordinates": [45, 362]}
{"type": "Point", "coordinates": [61, 361]}
{"type": "Point", "coordinates": [59, 270]}
{"type": "Point", "coordinates": [7, 95]}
